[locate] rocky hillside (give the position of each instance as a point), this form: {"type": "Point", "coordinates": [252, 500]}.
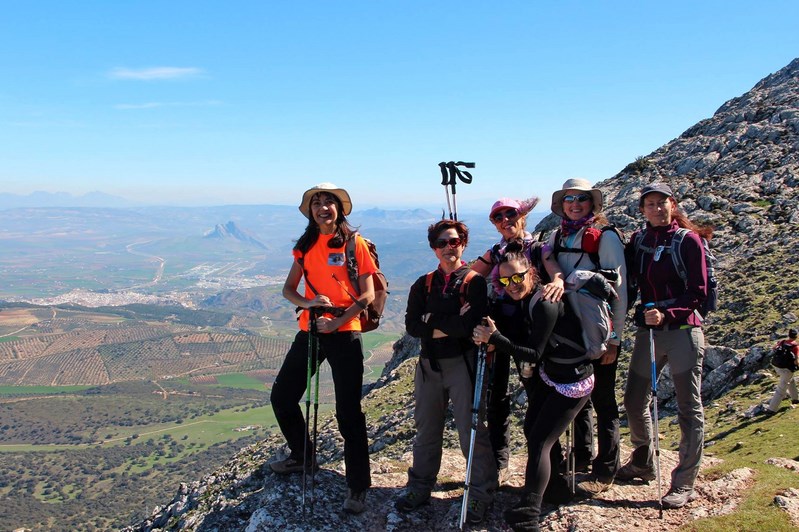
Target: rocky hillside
{"type": "Point", "coordinates": [738, 170]}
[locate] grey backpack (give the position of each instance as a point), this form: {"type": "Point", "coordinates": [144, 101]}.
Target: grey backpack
{"type": "Point", "coordinates": [589, 294]}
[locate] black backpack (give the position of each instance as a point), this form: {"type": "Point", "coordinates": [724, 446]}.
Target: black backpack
{"type": "Point", "coordinates": [782, 357]}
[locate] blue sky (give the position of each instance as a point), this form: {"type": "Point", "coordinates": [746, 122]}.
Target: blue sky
{"type": "Point", "coordinates": [190, 103]}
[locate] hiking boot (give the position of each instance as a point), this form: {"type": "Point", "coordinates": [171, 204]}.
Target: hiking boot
{"type": "Point", "coordinates": [291, 465]}
{"type": "Point", "coordinates": [594, 486]}
{"type": "Point", "coordinates": [411, 500]}
{"type": "Point", "coordinates": [558, 491]}
{"type": "Point", "coordinates": [678, 497]}
{"type": "Point", "coordinates": [355, 502]}
{"type": "Point", "coordinates": [630, 471]}
{"type": "Point", "coordinates": [476, 511]}
{"type": "Point", "coordinates": [524, 513]}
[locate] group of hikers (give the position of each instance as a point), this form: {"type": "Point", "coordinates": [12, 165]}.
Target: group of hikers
{"type": "Point", "coordinates": [512, 304]}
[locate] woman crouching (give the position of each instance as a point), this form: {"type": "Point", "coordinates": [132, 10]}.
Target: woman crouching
{"type": "Point", "coordinates": [555, 372]}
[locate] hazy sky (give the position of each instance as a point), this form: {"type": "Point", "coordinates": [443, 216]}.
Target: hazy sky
{"type": "Point", "coordinates": [191, 102]}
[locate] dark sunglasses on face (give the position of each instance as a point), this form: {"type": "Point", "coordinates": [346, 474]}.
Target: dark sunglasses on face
{"type": "Point", "coordinates": [516, 278]}
{"type": "Point", "coordinates": [576, 197]}
{"type": "Point", "coordinates": [510, 214]}
{"type": "Point", "coordinates": [441, 243]}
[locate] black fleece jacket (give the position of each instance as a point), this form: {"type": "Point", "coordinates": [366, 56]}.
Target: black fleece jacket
{"type": "Point", "coordinates": [444, 303]}
{"type": "Point", "coordinates": [561, 362]}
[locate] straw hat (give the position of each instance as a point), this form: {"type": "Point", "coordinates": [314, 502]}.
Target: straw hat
{"type": "Point", "coordinates": [576, 183]}
{"type": "Point", "coordinates": [342, 195]}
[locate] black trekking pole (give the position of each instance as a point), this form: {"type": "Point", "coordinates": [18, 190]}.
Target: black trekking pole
{"type": "Point", "coordinates": [318, 369]}
{"type": "Point", "coordinates": [478, 390]}
{"type": "Point", "coordinates": [656, 434]}
{"type": "Point", "coordinates": [311, 361]}
{"type": "Point", "coordinates": [455, 174]}
{"type": "Point", "coordinates": [445, 176]}
{"type": "Point", "coordinates": [571, 458]}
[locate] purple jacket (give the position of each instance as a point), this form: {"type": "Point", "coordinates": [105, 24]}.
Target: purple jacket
{"type": "Point", "coordinates": [659, 281]}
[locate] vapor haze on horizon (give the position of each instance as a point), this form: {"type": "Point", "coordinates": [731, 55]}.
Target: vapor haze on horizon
{"type": "Point", "coordinates": [185, 103]}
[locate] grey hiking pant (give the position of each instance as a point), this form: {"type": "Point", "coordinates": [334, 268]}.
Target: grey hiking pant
{"type": "Point", "coordinates": [683, 350]}
{"type": "Point", "coordinates": [787, 384]}
{"type": "Point", "coordinates": [433, 391]}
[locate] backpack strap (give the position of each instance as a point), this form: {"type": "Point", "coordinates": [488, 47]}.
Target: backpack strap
{"type": "Point", "coordinates": [428, 282]}
{"type": "Point", "coordinates": [352, 262]}
{"type": "Point", "coordinates": [465, 284]}
{"type": "Point", "coordinates": [593, 255]}
{"type": "Point", "coordinates": [676, 256]}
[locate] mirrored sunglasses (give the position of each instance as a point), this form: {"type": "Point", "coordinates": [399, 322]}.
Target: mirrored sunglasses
{"type": "Point", "coordinates": [441, 243]}
{"type": "Point", "coordinates": [509, 214]}
{"type": "Point", "coordinates": [516, 278]}
{"type": "Point", "coordinates": [576, 197]}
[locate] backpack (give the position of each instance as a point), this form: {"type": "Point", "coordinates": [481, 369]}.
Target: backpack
{"type": "Point", "coordinates": [463, 283]}
{"type": "Point", "coordinates": [371, 314]}
{"type": "Point", "coordinates": [590, 246]}
{"type": "Point", "coordinates": [782, 357]}
{"type": "Point", "coordinates": [589, 294]}
{"type": "Point", "coordinates": [711, 301]}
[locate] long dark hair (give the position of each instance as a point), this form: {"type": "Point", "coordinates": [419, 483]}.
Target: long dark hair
{"type": "Point", "coordinates": [343, 232]}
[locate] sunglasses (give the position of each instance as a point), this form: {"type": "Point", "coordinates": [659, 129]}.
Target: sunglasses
{"type": "Point", "coordinates": [509, 214]}
{"type": "Point", "coordinates": [441, 243]}
{"type": "Point", "coordinates": [578, 197]}
{"type": "Point", "coordinates": [516, 278]}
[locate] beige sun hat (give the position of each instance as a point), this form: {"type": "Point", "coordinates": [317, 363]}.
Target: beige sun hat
{"type": "Point", "coordinates": [576, 183]}
{"type": "Point", "coordinates": [342, 195]}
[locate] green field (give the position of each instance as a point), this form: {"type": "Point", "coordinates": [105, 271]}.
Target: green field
{"type": "Point", "coordinates": [40, 390]}
{"type": "Point", "coordinates": [239, 381]}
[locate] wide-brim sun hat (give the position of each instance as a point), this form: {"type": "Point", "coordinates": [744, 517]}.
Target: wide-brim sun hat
{"type": "Point", "coordinates": [582, 185]}
{"type": "Point", "coordinates": [342, 195]}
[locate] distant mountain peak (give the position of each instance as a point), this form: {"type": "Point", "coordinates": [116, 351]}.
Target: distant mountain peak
{"type": "Point", "coordinates": [232, 231]}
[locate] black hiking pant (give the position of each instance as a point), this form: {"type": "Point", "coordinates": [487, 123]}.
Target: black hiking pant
{"type": "Point", "coordinates": [603, 402]}
{"type": "Point", "coordinates": [548, 416]}
{"type": "Point", "coordinates": [498, 408]}
{"type": "Point", "coordinates": [344, 352]}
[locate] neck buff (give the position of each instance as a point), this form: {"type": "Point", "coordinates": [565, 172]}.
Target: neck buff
{"type": "Point", "coordinates": [569, 227]}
